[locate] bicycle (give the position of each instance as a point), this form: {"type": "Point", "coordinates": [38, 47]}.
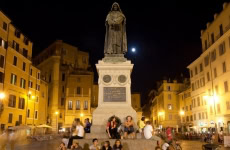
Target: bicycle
{"type": "Point", "coordinates": [176, 145]}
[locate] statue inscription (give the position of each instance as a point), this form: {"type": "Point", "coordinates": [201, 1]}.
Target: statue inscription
{"type": "Point", "coordinates": [114, 94]}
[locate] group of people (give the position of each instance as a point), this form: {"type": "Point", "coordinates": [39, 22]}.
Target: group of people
{"type": "Point", "coordinates": [95, 146]}
{"type": "Point", "coordinates": [116, 130]}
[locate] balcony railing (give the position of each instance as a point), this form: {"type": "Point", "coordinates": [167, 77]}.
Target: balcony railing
{"type": "Point", "coordinates": [10, 44]}
{"type": "Point", "coordinates": [77, 95]}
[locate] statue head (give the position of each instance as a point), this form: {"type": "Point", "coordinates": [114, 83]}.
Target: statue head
{"type": "Point", "coordinates": [115, 7]}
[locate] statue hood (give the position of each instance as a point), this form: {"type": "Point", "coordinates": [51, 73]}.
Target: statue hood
{"type": "Point", "coordinates": [115, 3]}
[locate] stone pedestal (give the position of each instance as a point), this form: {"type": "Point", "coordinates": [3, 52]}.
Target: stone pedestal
{"type": "Point", "coordinates": [114, 93]}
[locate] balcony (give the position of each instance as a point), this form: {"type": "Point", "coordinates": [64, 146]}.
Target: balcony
{"type": "Point", "coordinates": [21, 51]}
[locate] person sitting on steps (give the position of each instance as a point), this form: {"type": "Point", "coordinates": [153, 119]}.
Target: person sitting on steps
{"type": "Point", "coordinates": [111, 128]}
{"type": "Point", "coordinates": [129, 129]}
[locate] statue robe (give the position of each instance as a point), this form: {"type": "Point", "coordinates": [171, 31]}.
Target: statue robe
{"type": "Point", "coordinates": [115, 38]}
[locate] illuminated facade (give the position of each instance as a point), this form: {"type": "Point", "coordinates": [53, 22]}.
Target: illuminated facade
{"type": "Point", "coordinates": [20, 80]}
{"type": "Point", "coordinates": [210, 76]}
{"type": "Point", "coordinates": [70, 82]}
{"type": "Point", "coordinates": [165, 106]}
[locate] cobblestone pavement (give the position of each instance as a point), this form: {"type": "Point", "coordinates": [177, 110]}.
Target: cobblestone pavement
{"type": "Point", "coordinates": [53, 144]}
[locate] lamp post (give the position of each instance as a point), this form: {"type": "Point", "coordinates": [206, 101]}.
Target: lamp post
{"type": "Point", "coordinates": [56, 113]}
{"type": "Point", "coordinates": [2, 96]}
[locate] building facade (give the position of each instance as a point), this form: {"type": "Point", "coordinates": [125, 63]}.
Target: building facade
{"type": "Point", "coordinates": [210, 76]}
{"type": "Point", "coordinates": [70, 83]}
{"type": "Point", "coordinates": [20, 80]}
{"type": "Point", "coordinates": [165, 105]}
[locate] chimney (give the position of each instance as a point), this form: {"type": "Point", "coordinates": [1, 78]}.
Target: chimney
{"type": "Point", "coordinates": [208, 24]}
{"type": "Point", "coordinates": [201, 32]}
{"type": "Point", "coordinates": [225, 5]}
{"type": "Point", "coordinates": [215, 16]}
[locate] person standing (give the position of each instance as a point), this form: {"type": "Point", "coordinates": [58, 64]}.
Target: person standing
{"type": "Point", "coordinates": [77, 134]}
{"type": "Point", "coordinates": [87, 125]}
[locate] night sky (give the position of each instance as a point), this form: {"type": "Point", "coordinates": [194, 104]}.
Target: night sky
{"type": "Point", "coordinates": [166, 34]}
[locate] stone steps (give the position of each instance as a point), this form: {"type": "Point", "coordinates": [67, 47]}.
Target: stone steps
{"type": "Point", "coordinates": [104, 136]}
{"type": "Point", "coordinates": [128, 144]}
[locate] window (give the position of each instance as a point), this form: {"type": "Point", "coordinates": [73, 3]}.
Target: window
{"type": "Point", "coordinates": [217, 89]}
{"type": "Point", "coordinates": [193, 87]}
{"type": "Point", "coordinates": [62, 101]}
{"type": "Point", "coordinates": [222, 48]}
{"type": "Point", "coordinates": [198, 101]}
{"type": "Point", "coordinates": [10, 118]}
{"type": "Point", "coordinates": [191, 119]}
{"type": "Point", "coordinates": [70, 105]}
{"type": "Point", "coordinates": [190, 107]}
{"type": "Point", "coordinates": [194, 116]}
{"type": "Point", "coordinates": [218, 108]}
{"type": "Point", "coordinates": [78, 105]}
{"type": "Point", "coordinates": [183, 119]}
{"type": "Point", "coordinates": [170, 116]}
{"type": "Point", "coordinates": [12, 101]}
{"type": "Point", "coordinates": [17, 33]}
{"type": "Point", "coordinates": [21, 104]}
{"type": "Point", "coordinates": [63, 77]}
{"type": "Point", "coordinates": [196, 71]}
{"type": "Point", "coordinates": [206, 61]}
{"type": "Point", "coordinates": [203, 115]}
{"type": "Point", "coordinates": [85, 105]}
{"type": "Point", "coordinates": [215, 73]}
{"type": "Point", "coordinates": [84, 60]}
{"type": "Point", "coordinates": [24, 66]}
{"type": "Point", "coordinates": [15, 61]}
{"type": "Point", "coordinates": [3, 43]}
{"type": "Point", "coordinates": [169, 96]}
{"type": "Point", "coordinates": [199, 116]}
{"type": "Point", "coordinates": [212, 38]}
{"type": "Point", "coordinates": [25, 52]}
{"type": "Point", "coordinates": [38, 75]}
{"type": "Point", "coordinates": [206, 44]}
{"type": "Point", "coordinates": [168, 88]}
{"type": "Point", "coordinates": [50, 78]}
{"type": "Point", "coordinates": [187, 118]}
{"type": "Point", "coordinates": [211, 110]}
{"type": "Point", "coordinates": [28, 113]}
{"type": "Point", "coordinates": [191, 73]}
{"type": "Point", "coordinates": [224, 67]}
{"type": "Point", "coordinates": [23, 83]}
{"type": "Point", "coordinates": [36, 114]}
{"type": "Point", "coordinates": [15, 46]}
{"type": "Point", "coordinates": [228, 105]}
{"type": "Point", "coordinates": [213, 55]}
{"type": "Point", "coordinates": [206, 115]}
{"type": "Point", "coordinates": [226, 86]}
{"type": "Point", "coordinates": [43, 94]}
{"type": "Point", "coordinates": [37, 87]}
{"type": "Point", "coordinates": [60, 116]}
{"type": "Point", "coordinates": [31, 71]}
{"type": "Point", "coordinates": [30, 84]}
{"type": "Point", "coordinates": [79, 90]}
{"type": "Point", "coordinates": [208, 76]}
{"type": "Point", "coordinates": [170, 106]}
{"type": "Point", "coordinates": [20, 119]}
{"type": "Point", "coordinates": [37, 99]}
{"type": "Point", "coordinates": [4, 26]}
{"type": "Point", "coordinates": [201, 67]}
{"type": "Point", "coordinates": [1, 77]}
{"type": "Point", "coordinates": [2, 61]}
{"type": "Point", "coordinates": [194, 102]}
{"type": "Point", "coordinates": [186, 108]}
{"type": "Point", "coordinates": [221, 30]}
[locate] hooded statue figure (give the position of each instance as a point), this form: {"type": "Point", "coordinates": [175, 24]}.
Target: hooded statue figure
{"type": "Point", "coordinates": [115, 38]}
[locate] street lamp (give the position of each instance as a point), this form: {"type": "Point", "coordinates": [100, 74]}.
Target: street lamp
{"type": "Point", "coordinates": [182, 113]}
{"type": "Point", "coordinates": [2, 96]}
{"type": "Point", "coordinates": [56, 113]}
{"type": "Point", "coordinates": [81, 115]}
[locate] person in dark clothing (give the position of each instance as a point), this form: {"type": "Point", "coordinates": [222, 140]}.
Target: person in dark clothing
{"type": "Point", "coordinates": [111, 129]}
{"type": "Point", "coordinates": [87, 126]}
{"type": "Point", "coordinates": [117, 145]}
{"type": "Point", "coordinates": [106, 146]}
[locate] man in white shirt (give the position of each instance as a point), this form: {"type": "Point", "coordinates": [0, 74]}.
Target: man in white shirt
{"type": "Point", "coordinates": [78, 134]}
{"type": "Point", "coordinates": [148, 132]}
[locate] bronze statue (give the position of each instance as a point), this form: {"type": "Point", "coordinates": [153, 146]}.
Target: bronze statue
{"type": "Point", "coordinates": [115, 38]}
